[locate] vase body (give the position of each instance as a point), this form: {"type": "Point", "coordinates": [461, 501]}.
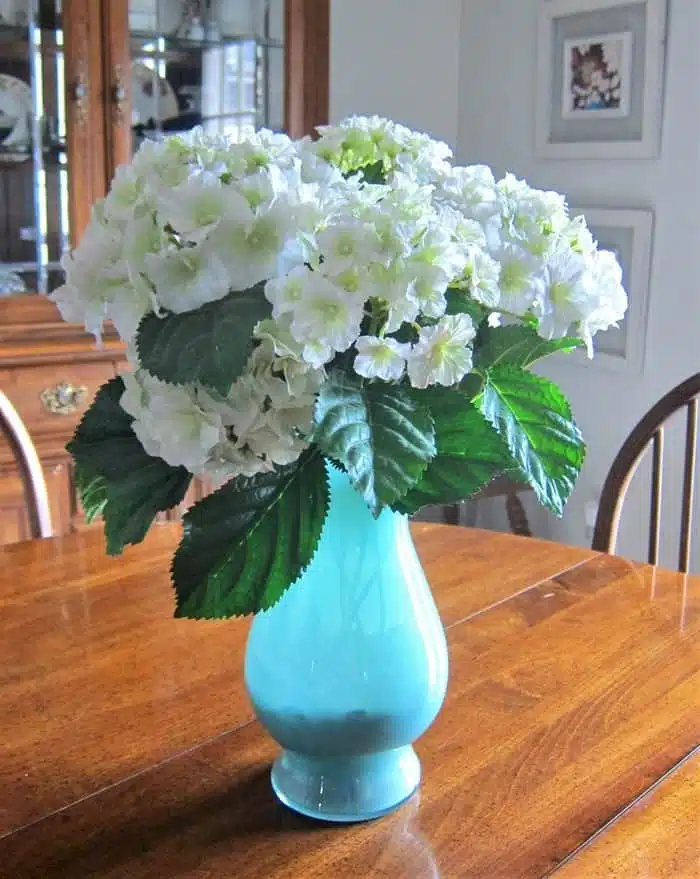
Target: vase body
{"type": "Point", "coordinates": [350, 666]}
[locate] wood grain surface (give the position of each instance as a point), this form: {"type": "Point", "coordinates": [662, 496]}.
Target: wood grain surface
{"type": "Point", "coordinates": [658, 836]}
{"type": "Point", "coordinates": [128, 747]}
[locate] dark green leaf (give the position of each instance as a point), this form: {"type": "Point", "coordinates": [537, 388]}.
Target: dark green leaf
{"type": "Point", "coordinates": [460, 302]}
{"type": "Point", "coordinates": [210, 345]}
{"type": "Point", "coordinates": [244, 545]}
{"type": "Point", "coordinates": [374, 173]}
{"type": "Point", "coordinates": [470, 453]}
{"type": "Point", "coordinates": [517, 345]}
{"type": "Point", "coordinates": [92, 491]}
{"type": "Point", "coordinates": [115, 476]}
{"type": "Point", "coordinates": [380, 435]}
{"type": "Point", "coordinates": [534, 419]}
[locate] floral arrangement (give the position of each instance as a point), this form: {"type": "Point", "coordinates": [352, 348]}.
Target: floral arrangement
{"type": "Point", "coordinates": [354, 298]}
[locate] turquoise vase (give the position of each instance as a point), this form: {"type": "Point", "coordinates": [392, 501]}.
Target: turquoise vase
{"type": "Point", "coordinates": [350, 667]}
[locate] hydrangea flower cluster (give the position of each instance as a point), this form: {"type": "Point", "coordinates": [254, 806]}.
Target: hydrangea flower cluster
{"type": "Point", "coordinates": [360, 242]}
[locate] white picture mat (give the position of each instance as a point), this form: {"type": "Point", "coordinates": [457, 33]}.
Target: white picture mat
{"type": "Point", "coordinates": [648, 143]}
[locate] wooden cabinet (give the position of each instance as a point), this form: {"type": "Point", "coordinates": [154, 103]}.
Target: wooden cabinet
{"type": "Point", "coordinates": [76, 79]}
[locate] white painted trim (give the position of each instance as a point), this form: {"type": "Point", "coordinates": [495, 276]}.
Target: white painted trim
{"type": "Point", "coordinates": [648, 146]}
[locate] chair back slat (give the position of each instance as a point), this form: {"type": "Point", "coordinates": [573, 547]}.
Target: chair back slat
{"type": "Point", "coordinates": [691, 434]}
{"type": "Point", "coordinates": [657, 469]}
{"type": "Point", "coordinates": [31, 474]}
{"type": "Point", "coordinates": [649, 431]}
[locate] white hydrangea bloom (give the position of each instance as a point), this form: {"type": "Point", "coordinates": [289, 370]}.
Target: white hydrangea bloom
{"type": "Point", "coordinates": [530, 217]}
{"type": "Point", "coordinates": [285, 292]}
{"type": "Point", "coordinates": [359, 141]}
{"type": "Point", "coordinates": [194, 207]}
{"type": "Point", "coordinates": [345, 261]}
{"type": "Point", "coordinates": [100, 285]}
{"type": "Point", "coordinates": [442, 355]}
{"type": "Point", "coordinates": [611, 299]}
{"type": "Point", "coordinates": [346, 244]}
{"type": "Point", "coordinates": [392, 284]}
{"type": "Point", "coordinates": [428, 288]}
{"type": "Point", "coordinates": [162, 164]}
{"type": "Point", "coordinates": [186, 277]}
{"type": "Point", "coordinates": [249, 243]}
{"type": "Point", "coordinates": [578, 235]}
{"type": "Point", "coordinates": [466, 232]}
{"type": "Point", "coordinates": [521, 279]}
{"type": "Point", "coordinates": [472, 190]}
{"type": "Point", "coordinates": [569, 293]}
{"type": "Point", "coordinates": [169, 421]}
{"type": "Point", "coordinates": [380, 358]}
{"type": "Point", "coordinates": [128, 197]}
{"type": "Point", "coordinates": [327, 314]}
{"type": "Point", "coordinates": [483, 273]}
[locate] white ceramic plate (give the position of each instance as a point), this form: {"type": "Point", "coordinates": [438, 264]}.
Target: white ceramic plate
{"type": "Point", "coordinates": [152, 97]}
{"type": "Point", "coordinates": [13, 12]}
{"type": "Point", "coordinates": [15, 113]}
{"type": "Point", "coordinates": [11, 283]}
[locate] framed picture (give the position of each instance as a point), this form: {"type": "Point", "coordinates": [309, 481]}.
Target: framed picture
{"type": "Point", "coordinates": [600, 78]}
{"type": "Point", "coordinates": [628, 233]}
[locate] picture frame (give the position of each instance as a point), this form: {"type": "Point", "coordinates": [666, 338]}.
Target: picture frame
{"type": "Point", "coordinates": [600, 73]}
{"type": "Point", "coordinates": [629, 234]}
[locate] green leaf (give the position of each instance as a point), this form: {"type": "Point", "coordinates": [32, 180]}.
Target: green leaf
{"type": "Point", "coordinates": [210, 345]}
{"type": "Point", "coordinates": [460, 302]}
{"type": "Point", "coordinates": [245, 545]}
{"type": "Point", "coordinates": [517, 345]}
{"type": "Point", "coordinates": [374, 173]}
{"type": "Point", "coordinates": [115, 476]}
{"type": "Point", "coordinates": [380, 435]}
{"type": "Point", "coordinates": [534, 419]}
{"type": "Point", "coordinates": [92, 491]}
{"type": "Point", "coordinates": [470, 453]}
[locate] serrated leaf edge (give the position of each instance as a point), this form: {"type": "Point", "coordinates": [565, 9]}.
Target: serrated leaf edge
{"type": "Point", "coordinates": [302, 570]}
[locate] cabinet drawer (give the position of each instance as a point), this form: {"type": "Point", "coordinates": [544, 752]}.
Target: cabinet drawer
{"type": "Point", "coordinates": [52, 399]}
{"type": "Point", "coordinates": [13, 513]}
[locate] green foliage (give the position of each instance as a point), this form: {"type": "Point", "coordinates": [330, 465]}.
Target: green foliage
{"type": "Point", "coordinates": [470, 453]}
{"type": "Point", "coordinates": [378, 433]}
{"type": "Point", "coordinates": [210, 345]}
{"type": "Point", "coordinates": [460, 302]}
{"type": "Point", "coordinates": [244, 545]}
{"type": "Point", "coordinates": [517, 345]}
{"type": "Point", "coordinates": [374, 173]}
{"type": "Point", "coordinates": [534, 419]}
{"type": "Point", "coordinates": [92, 491]}
{"type": "Point", "coordinates": [115, 477]}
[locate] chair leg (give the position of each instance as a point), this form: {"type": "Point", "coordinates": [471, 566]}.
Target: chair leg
{"type": "Point", "coordinates": [450, 514]}
{"type": "Point", "coordinates": [517, 517]}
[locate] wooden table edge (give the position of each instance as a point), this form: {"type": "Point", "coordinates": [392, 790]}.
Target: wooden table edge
{"type": "Point", "coordinates": [622, 813]}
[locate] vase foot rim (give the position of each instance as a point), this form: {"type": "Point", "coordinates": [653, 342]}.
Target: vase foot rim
{"type": "Point", "coordinates": [346, 790]}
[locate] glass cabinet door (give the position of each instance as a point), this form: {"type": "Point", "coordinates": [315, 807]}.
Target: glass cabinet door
{"type": "Point", "coordinates": [214, 63]}
{"type": "Point", "coordinates": [36, 202]}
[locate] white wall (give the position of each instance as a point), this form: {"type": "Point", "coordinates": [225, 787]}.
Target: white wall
{"type": "Point", "coordinates": [397, 58]}
{"type": "Point", "coordinates": [496, 126]}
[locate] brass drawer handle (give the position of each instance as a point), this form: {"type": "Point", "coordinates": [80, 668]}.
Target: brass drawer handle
{"type": "Point", "coordinates": [64, 398]}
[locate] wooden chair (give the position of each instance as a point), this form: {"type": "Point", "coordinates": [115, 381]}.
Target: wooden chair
{"type": "Point", "coordinates": [31, 474]}
{"type": "Point", "coordinates": [650, 431]}
{"type": "Point", "coordinates": [465, 512]}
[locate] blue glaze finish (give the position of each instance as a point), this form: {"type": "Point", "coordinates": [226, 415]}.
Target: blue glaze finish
{"type": "Point", "coordinates": [350, 667]}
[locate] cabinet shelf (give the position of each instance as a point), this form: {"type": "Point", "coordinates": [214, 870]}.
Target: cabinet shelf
{"type": "Point", "coordinates": [14, 155]}
{"type": "Point", "coordinates": [173, 44]}
{"type": "Point", "coordinates": [15, 43]}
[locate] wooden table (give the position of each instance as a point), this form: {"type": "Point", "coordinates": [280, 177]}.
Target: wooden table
{"type": "Point", "coordinates": [568, 742]}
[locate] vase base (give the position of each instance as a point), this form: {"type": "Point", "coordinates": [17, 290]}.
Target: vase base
{"type": "Point", "coordinates": [346, 789]}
